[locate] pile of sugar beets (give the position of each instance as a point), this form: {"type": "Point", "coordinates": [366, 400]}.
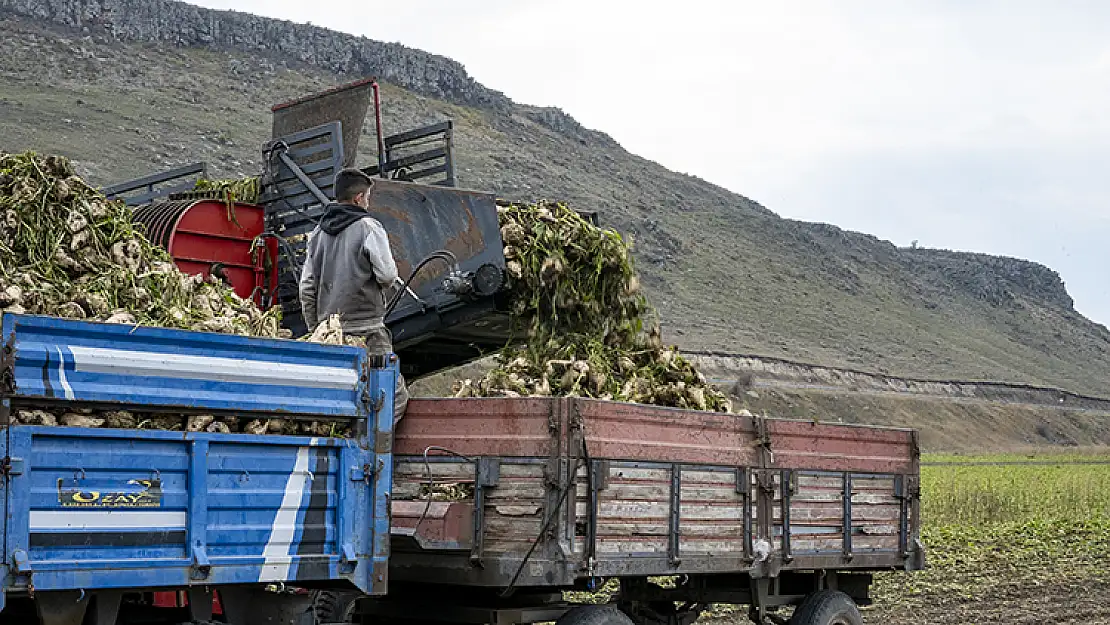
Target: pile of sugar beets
{"type": "Point", "coordinates": [67, 251]}
{"type": "Point", "coordinates": [590, 330]}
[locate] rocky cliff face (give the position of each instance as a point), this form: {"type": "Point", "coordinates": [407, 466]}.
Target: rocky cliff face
{"type": "Point", "coordinates": [186, 25]}
{"type": "Point", "coordinates": [996, 280]}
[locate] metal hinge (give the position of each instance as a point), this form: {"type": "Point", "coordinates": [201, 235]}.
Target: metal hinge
{"type": "Point", "coordinates": [348, 560]}
{"type": "Point", "coordinates": [201, 566]}
{"type": "Point", "coordinates": [363, 473]}
{"type": "Point", "coordinates": [11, 466]}
{"type": "Point", "coordinates": [7, 368]}
{"type": "Point", "coordinates": [22, 562]}
{"type": "Point", "coordinates": [765, 480]}
{"type": "Point", "coordinates": [907, 487]}
{"type": "Point", "coordinates": [487, 475]}
{"type": "Point", "coordinates": [763, 441]}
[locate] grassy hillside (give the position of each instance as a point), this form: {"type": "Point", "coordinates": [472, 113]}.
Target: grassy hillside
{"type": "Point", "coordinates": [725, 272]}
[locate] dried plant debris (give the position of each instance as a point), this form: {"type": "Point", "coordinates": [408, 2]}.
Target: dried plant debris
{"type": "Point", "coordinates": [446, 491]}
{"type": "Point", "coordinates": [589, 330]}
{"type": "Point", "coordinates": [246, 190]}
{"type": "Point", "coordinates": [180, 423]}
{"type": "Point", "coordinates": [330, 332]}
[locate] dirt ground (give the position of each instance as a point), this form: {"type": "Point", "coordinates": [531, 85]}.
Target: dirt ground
{"type": "Point", "coordinates": [1066, 599]}
{"type": "Point", "coordinates": [1061, 598]}
{"type": "Point", "coordinates": [1021, 574]}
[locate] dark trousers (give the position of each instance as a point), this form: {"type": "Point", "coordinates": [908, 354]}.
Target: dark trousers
{"type": "Point", "coordinates": [379, 343]}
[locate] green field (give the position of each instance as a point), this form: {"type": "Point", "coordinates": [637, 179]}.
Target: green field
{"type": "Point", "coordinates": [972, 495]}
{"type": "Point", "coordinates": [1008, 543]}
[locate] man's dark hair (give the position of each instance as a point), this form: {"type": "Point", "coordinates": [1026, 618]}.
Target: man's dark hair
{"type": "Point", "coordinates": [349, 183]}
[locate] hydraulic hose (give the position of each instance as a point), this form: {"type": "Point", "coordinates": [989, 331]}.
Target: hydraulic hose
{"type": "Point", "coordinates": [443, 255]}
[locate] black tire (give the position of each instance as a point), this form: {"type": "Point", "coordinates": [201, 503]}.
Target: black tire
{"type": "Point", "coordinates": [827, 607]}
{"type": "Point", "coordinates": [331, 606]}
{"type": "Point", "coordinates": [594, 615]}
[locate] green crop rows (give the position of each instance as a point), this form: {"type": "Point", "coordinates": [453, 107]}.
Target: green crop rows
{"type": "Point", "coordinates": [971, 495]}
{"type": "Point", "coordinates": [1007, 543]}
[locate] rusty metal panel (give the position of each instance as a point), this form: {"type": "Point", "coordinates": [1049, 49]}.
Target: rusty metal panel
{"type": "Point", "coordinates": [876, 513]}
{"type": "Point", "coordinates": [615, 430]}
{"type": "Point", "coordinates": [502, 427]}
{"type": "Point", "coordinates": [633, 510]}
{"type": "Point", "coordinates": [436, 524]}
{"type": "Point", "coordinates": [420, 220]}
{"type": "Point", "coordinates": [346, 103]}
{"type": "Point", "coordinates": [514, 510]}
{"type": "Point", "coordinates": [840, 447]}
{"type": "Point", "coordinates": [651, 433]}
{"type": "Point", "coordinates": [411, 475]}
{"type": "Point", "coordinates": [816, 513]}
{"type": "Point", "coordinates": [780, 486]}
{"type": "Point", "coordinates": [711, 513]}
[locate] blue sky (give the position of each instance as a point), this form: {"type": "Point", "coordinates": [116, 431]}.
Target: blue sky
{"type": "Point", "coordinates": [968, 125]}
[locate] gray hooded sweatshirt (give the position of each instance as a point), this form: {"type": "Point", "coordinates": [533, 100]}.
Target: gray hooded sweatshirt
{"type": "Point", "coordinates": [347, 271]}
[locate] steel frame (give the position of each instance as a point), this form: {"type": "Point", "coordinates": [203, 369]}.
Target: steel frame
{"type": "Point", "coordinates": [120, 191]}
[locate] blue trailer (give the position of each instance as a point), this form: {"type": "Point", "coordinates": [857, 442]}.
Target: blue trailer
{"type": "Point", "coordinates": [97, 519]}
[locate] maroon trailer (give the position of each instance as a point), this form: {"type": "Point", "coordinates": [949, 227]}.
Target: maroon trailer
{"type": "Point", "coordinates": [501, 504]}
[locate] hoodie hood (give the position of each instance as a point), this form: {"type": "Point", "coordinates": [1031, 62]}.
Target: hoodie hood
{"type": "Point", "coordinates": [338, 216]}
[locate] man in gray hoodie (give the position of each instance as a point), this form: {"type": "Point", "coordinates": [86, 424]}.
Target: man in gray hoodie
{"type": "Point", "coordinates": [349, 269]}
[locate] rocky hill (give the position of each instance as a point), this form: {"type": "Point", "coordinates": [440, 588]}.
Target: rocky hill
{"type": "Point", "coordinates": [129, 87]}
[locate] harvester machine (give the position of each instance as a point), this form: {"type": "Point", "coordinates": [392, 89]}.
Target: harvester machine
{"type": "Point", "coordinates": [446, 240]}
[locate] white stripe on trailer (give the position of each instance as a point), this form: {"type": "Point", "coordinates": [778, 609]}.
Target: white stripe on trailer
{"type": "Point", "coordinates": [107, 519]}
{"type": "Point", "coordinates": [62, 374]}
{"type": "Point", "coordinates": [127, 362]}
{"type": "Point", "coordinates": [275, 567]}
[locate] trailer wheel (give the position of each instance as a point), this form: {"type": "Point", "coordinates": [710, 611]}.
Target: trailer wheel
{"type": "Point", "coordinates": [594, 615]}
{"type": "Point", "coordinates": [330, 606]}
{"type": "Point", "coordinates": [827, 607]}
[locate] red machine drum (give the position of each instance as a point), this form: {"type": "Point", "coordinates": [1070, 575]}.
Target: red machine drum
{"type": "Point", "coordinates": [214, 238]}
